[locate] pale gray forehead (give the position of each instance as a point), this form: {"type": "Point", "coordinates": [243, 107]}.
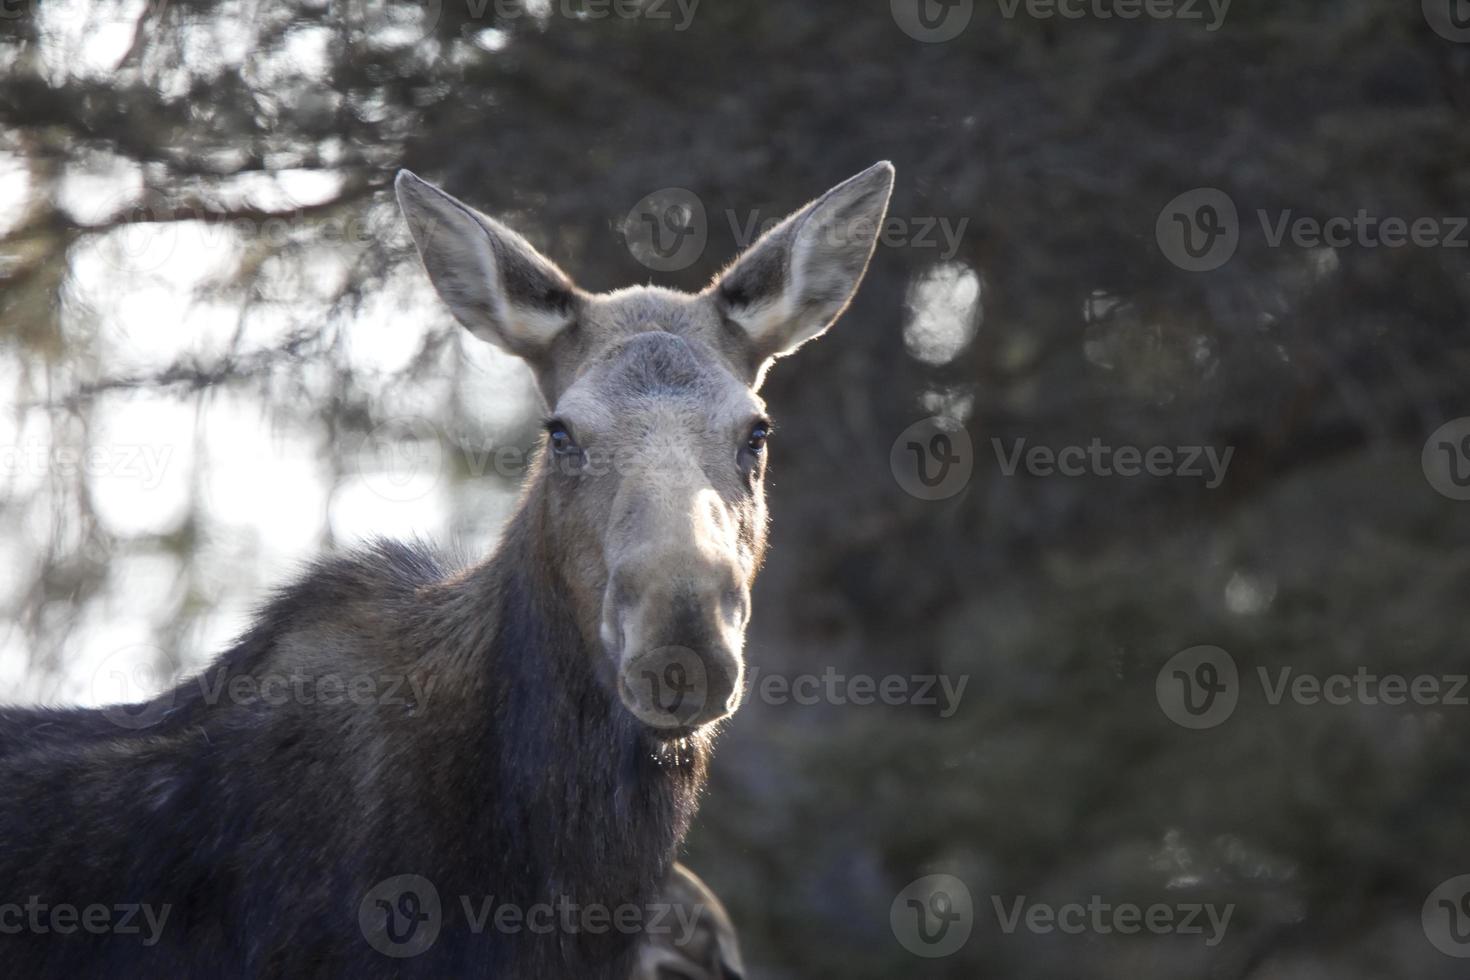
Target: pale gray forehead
{"type": "Point", "coordinates": [654, 370]}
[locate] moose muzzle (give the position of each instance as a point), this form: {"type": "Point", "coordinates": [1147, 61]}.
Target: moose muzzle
{"type": "Point", "coordinates": [678, 623]}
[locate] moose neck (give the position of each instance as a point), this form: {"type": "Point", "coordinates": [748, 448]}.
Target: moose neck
{"type": "Point", "coordinates": [575, 783]}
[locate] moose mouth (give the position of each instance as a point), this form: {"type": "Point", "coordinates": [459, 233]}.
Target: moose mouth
{"type": "Point", "coordinates": [671, 735]}
{"type": "Point", "coordinates": [675, 692]}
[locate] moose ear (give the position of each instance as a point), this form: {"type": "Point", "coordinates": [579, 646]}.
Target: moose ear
{"type": "Point", "coordinates": [798, 278]}
{"type": "Point", "coordinates": [493, 281]}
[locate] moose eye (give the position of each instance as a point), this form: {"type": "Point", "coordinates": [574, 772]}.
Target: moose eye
{"type": "Point", "coordinates": [759, 433]}
{"type": "Point", "coordinates": [561, 439]}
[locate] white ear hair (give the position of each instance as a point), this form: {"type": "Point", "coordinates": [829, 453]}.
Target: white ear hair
{"type": "Point", "coordinates": [792, 284]}
{"type": "Point", "coordinates": [492, 279]}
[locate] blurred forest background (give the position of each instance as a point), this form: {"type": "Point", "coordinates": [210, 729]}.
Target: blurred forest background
{"type": "Point", "coordinates": [215, 341]}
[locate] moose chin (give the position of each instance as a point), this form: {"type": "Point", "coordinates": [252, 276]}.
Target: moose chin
{"type": "Point", "coordinates": [553, 705]}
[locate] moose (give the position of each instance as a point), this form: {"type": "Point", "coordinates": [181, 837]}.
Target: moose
{"type": "Point", "coordinates": [578, 674]}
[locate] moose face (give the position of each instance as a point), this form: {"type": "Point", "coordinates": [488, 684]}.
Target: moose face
{"type": "Point", "coordinates": [656, 441]}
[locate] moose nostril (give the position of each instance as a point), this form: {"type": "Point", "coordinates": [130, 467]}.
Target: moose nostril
{"type": "Point", "coordinates": [622, 594]}
{"type": "Point", "coordinates": [732, 605]}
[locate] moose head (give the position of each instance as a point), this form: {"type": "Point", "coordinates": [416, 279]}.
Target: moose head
{"type": "Point", "coordinates": [649, 495]}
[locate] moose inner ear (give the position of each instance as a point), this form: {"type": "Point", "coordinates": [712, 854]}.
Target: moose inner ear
{"type": "Point", "coordinates": [798, 278]}
{"type": "Point", "coordinates": [492, 279]}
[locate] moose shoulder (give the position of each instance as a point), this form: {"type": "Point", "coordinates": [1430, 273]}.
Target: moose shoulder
{"type": "Point", "coordinates": [394, 742]}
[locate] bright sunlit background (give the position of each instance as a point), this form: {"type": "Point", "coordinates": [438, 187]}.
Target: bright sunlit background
{"type": "Point", "coordinates": [190, 501]}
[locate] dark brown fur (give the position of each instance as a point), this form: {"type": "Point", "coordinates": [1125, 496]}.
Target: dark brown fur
{"type": "Point", "coordinates": [506, 752]}
{"type": "Point", "coordinates": [263, 827]}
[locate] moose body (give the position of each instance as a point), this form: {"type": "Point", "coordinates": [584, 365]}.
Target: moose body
{"type": "Point", "coordinates": [260, 827]}
{"type": "Point", "coordinates": [497, 735]}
